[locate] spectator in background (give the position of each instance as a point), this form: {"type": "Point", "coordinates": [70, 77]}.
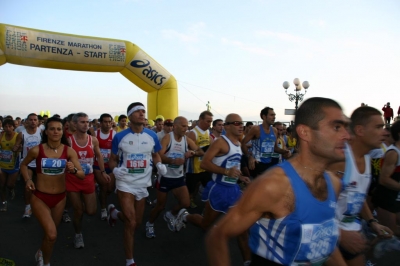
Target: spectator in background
{"type": "Point", "coordinates": [387, 113]}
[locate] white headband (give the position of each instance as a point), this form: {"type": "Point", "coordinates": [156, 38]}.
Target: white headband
{"type": "Point", "coordinates": [134, 109]}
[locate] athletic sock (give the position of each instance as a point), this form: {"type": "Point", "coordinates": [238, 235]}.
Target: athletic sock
{"type": "Point", "coordinates": [27, 207]}
{"type": "Point", "coordinates": [114, 214]}
{"type": "Point", "coordinates": [129, 262]}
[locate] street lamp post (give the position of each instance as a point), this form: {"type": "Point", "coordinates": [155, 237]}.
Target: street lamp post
{"type": "Point", "coordinates": [297, 97]}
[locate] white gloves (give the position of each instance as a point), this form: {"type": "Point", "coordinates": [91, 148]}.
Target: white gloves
{"type": "Point", "coordinates": [162, 169]}
{"type": "Point", "coordinates": [119, 172]}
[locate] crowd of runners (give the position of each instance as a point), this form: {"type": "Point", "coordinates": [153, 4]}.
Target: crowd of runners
{"type": "Point", "coordinates": [324, 190]}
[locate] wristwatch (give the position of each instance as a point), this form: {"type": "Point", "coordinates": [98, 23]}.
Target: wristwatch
{"type": "Point", "coordinates": [370, 221]}
{"type": "Point", "coordinates": [75, 170]}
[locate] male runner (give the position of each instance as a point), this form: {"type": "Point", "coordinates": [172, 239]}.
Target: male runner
{"type": "Point", "coordinates": [194, 173]}
{"type": "Point", "coordinates": [291, 208]}
{"type": "Point", "coordinates": [222, 159]}
{"type": "Point", "coordinates": [104, 135]}
{"type": "Point", "coordinates": [217, 128]}
{"type": "Point", "coordinates": [122, 123]}
{"type": "Point", "coordinates": [81, 193]}
{"type": "Point", "coordinates": [134, 151]}
{"type": "Point", "coordinates": [167, 127]}
{"type": "Point", "coordinates": [367, 133]}
{"type": "Point", "coordinates": [265, 151]}
{"type": "Point", "coordinates": [31, 136]}
{"type": "Point", "coordinates": [176, 148]}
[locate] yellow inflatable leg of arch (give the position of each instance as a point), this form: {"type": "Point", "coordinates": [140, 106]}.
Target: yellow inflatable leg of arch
{"type": "Point", "coordinates": [38, 48]}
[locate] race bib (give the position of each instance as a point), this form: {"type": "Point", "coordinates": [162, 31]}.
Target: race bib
{"type": "Point", "coordinates": [267, 148]}
{"type": "Point", "coordinates": [53, 166]}
{"type": "Point", "coordinates": [317, 242]}
{"type": "Point", "coordinates": [6, 156]}
{"type": "Point", "coordinates": [87, 168]}
{"type": "Point", "coordinates": [105, 153]}
{"type": "Point", "coordinates": [228, 179]}
{"type": "Point", "coordinates": [175, 155]}
{"type": "Point", "coordinates": [136, 163]}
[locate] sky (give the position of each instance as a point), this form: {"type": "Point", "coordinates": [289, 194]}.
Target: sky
{"type": "Point", "coordinates": [234, 54]}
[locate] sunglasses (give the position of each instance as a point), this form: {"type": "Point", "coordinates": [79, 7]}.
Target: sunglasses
{"type": "Point", "coordinates": [235, 123]}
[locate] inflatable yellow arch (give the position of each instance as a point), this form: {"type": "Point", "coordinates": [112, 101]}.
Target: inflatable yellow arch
{"type": "Point", "coordinates": [37, 48]}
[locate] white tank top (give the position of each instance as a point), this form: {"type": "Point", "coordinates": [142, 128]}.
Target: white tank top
{"type": "Point", "coordinates": [30, 141]}
{"type": "Point", "coordinates": [175, 149]}
{"type": "Point", "coordinates": [355, 187]}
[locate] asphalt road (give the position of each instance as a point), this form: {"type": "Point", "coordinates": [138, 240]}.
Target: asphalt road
{"type": "Point", "coordinates": [21, 238]}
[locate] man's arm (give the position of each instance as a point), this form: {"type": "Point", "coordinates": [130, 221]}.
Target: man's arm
{"type": "Point", "coordinates": [262, 196]}
{"type": "Point", "coordinates": [218, 148]}
{"type": "Point", "coordinates": [252, 134]}
{"type": "Point", "coordinates": [388, 166]}
{"type": "Point", "coordinates": [100, 160]}
{"type": "Point", "coordinates": [381, 230]}
{"type": "Point", "coordinates": [164, 158]}
{"type": "Point", "coordinates": [73, 162]}
{"type": "Point", "coordinates": [17, 147]}
{"type": "Point", "coordinates": [194, 150]}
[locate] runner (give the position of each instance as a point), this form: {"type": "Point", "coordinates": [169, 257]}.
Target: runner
{"type": "Point", "coordinates": [194, 173]}
{"type": "Point", "coordinates": [31, 137]}
{"type": "Point", "coordinates": [9, 162]}
{"type": "Point", "coordinates": [122, 123]}
{"type": "Point", "coordinates": [367, 134]}
{"type": "Point", "coordinates": [291, 208]}
{"type": "Point", "coordinates": [176, 148]}
{"type": "Point", "coordinates": [53, 157]}
{"type": "Point", "coordinates": [81, 193]}
{"type": "Point", "coordinates": [104, 135]}
{"type": "Point", "coordinates": [222, 159]}
{"type": "Point", "coordinates": [134, 151]}
{"type": "Point", "coordinates": [265, 151]}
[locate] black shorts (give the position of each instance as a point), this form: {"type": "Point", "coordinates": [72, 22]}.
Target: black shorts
{"type": "Point", "coordinates": [165, 184]}
{"type": "Point", "coordinates": [193, 179]}
{"type": "Point", "coordinates": [386, 199]}
{"type": "Point", "coordinates": [262, 167]}
{"type": "Point", "coordinates": [260, 261]}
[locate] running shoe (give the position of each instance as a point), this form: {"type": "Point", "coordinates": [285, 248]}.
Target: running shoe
{"type": "Point", "coordinates": [171, 220]}
{"type": "Point", "coordinates": [192, 204]}
{"type": "Point", "coordinates": [27, 213]}
{"type": "Point", "coordinates": [150, 231]}
{"type": "Point", "coordinates": [180, 221]}
{"type": "Point", "coordinates": [66, 218]}
{"type": "Point", "coordinates": [78, 241]}
{"type": "Point", "coordinates": [39, 258]}
{"type": "Point", "coordinates": [111, 221]}
{"type": "Point", "coordinates": [3, 206]}
{"type": "Point", "coordinates": [103, 214]}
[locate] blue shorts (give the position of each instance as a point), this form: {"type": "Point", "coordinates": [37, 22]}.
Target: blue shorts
{"type": "Point", "coordinates": [221, 197]}
{"type": "Point", "coordinates": [165, 184]}
{"type": "Point", "coordinates": [10, 171]}
{"type": "Point", "coordinates": [108, 170]}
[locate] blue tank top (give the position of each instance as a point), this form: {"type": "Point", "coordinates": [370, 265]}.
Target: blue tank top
{"type": "Point", "coordinates": [307, 235]}
{"type": "Point", "coordinates": [229, 160]}
{"type": "Point", "coordinates": [263, 148]}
